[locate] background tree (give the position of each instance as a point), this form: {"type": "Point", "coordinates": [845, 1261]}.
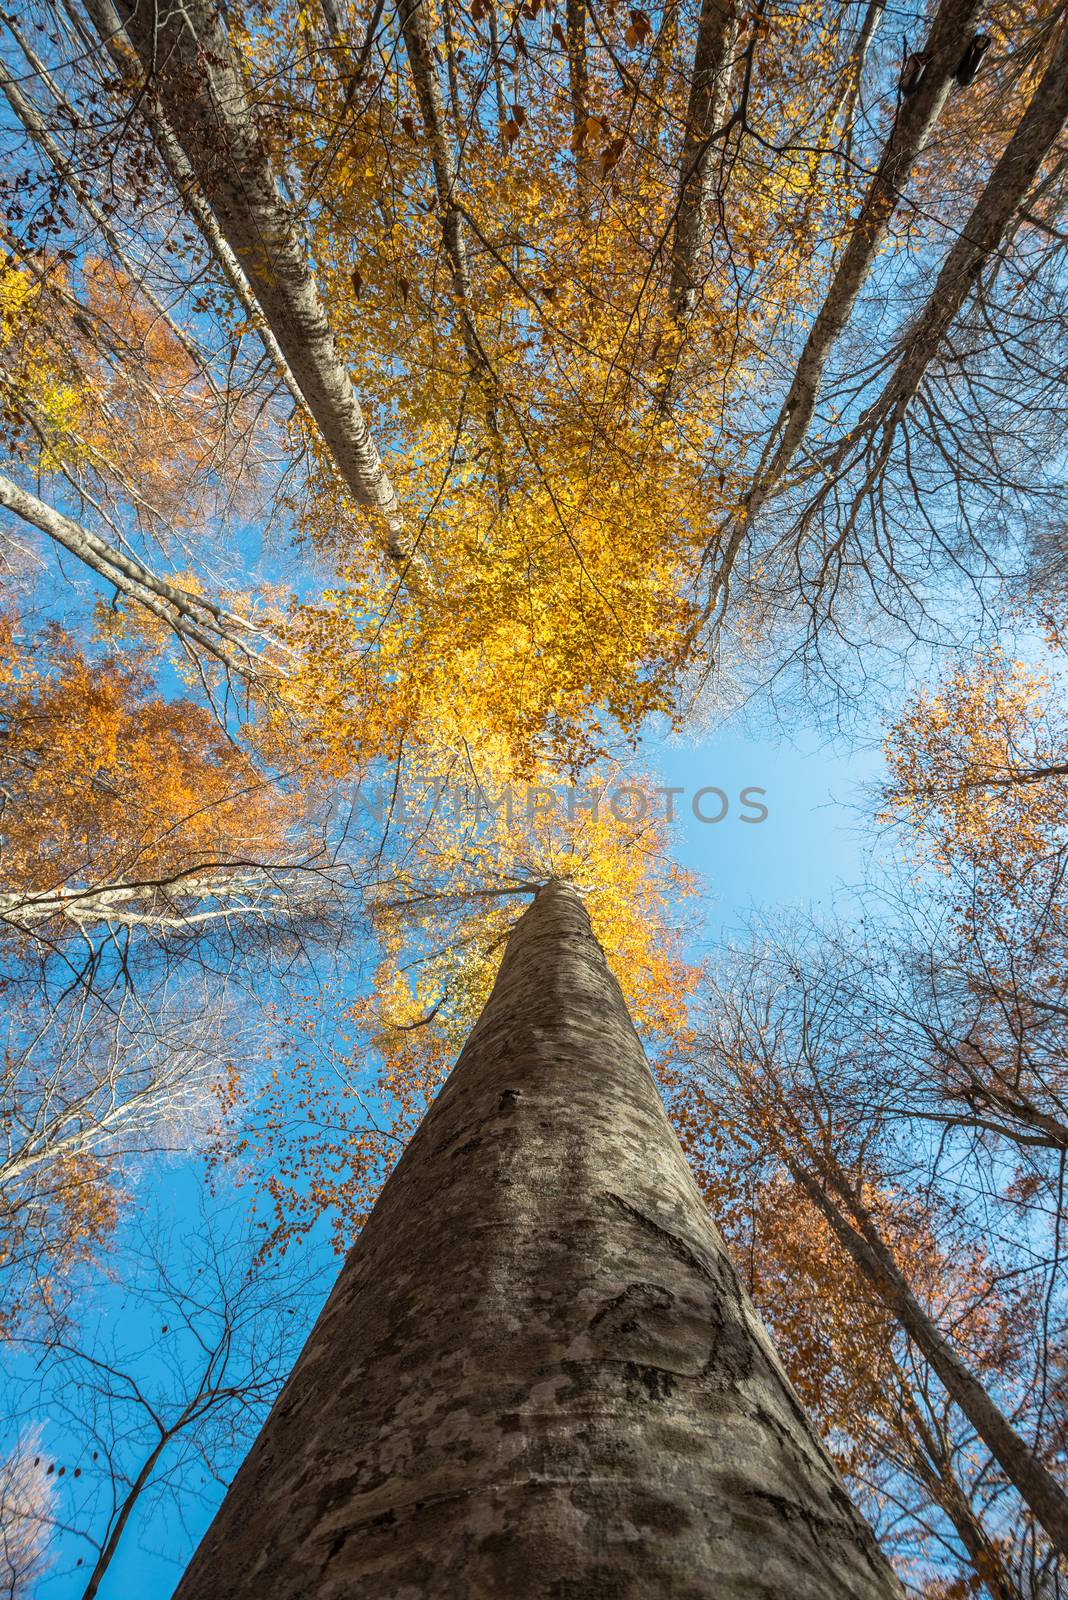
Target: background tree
{"type": "Point", "coordinates": [154, 1397]}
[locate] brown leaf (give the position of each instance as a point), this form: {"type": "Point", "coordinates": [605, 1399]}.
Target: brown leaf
{"type": "Point", "coordinates": [357, 282]}
{"type": "Point", "coordinates": [611, 154]}
{"type": "Point", "coordinates": [408, 124]}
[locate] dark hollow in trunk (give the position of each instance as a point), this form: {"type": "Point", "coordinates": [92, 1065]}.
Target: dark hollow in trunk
{"type": "Point", "coordinates": [537, 1374]}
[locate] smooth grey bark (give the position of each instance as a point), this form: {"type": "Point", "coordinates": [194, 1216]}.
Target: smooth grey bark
{"type": "Point", "coordinates": [186, 54]}
{"type": "Point", "coordinates": [537, 1374]}
{"type": "Point", "coordinates": [861, 1239]}
{"type": "Point", "coordinates": [194, 620]}
{"type": "Point", "coordinates": [717, 34]}
{"type": "Point", "coordinates": [105, 19]}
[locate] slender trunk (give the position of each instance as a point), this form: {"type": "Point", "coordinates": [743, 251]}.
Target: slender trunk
{"type": "Point", "coordinates": [578, 88]}
{"type": "Point", "coordinates": [194, 620]}
{"type": "Point", "coordinates": [846, 111]}
{"type": "Point", "coordinates": [667, 42]}
{"type": "Point", "coordinates": [193, 898]}
{"type": "Point", "coordinates": [935, 1471]}
{"type": "Point", "coordinates": [861, 1239]}
{"type": "Point", "coordinates": [950, 32]}
{"type": "Point", "coordinates": [137, 1488]}
{"type": "Point", "coordinates": [717, 34]}
{"type": "Point", "coordinates": [1005, 192]}
{"type": "Point", "coordinates": [105, 19]}
{"type": "Point", "coordinates": [455, 115]}
{"type": "Point", "coordinates": [332, 17]}
{"type": "Point", "coordinates": [537, 1373]}
{"type": "Point", "coordinates": [412, 15]}
{"type": "Point", "coordinates": [186, 54]}
{"type": "Point", "coordinates": [871, 441]}
{"type": "Point", "coordinates": [495, 54]}
{"type": "Point", "coordinates": [953, 25]}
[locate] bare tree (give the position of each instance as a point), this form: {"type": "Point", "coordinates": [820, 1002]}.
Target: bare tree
{"type": "Point", "coordinates": [800, 1051]}
{"type": "Point", "coordinates": [153, 1395]}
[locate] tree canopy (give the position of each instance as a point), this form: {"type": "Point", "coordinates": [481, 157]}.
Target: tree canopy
{"type": "Point", "coordinates": [412, 416]}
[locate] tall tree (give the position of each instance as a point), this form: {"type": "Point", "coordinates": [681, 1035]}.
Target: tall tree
{"type": "Point", "coordinates": [188, 60]}
{"type": "Point", "coordinates": [800, 1063]}
{"type": "Point", "coordinates": [537, 1369]}
{"type": "Point", "coordinates": [717, 34]}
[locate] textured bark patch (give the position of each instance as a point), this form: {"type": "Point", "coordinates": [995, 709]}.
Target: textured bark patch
{"type": "Point", "coordinates": [537, 1375]}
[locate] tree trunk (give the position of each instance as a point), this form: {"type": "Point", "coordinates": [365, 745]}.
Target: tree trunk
{"type": "Point", "coordinates": [949, 35]}
{"type": "Point", "coordinates": [187, 58]}
{"type": "Point", "coordinates": [537, 1374]}
{"type": "Point", "coordinates": [860, 1237]}
{"type": "Point", "coordinates": [946, 43]}
{"type": "Point", "coordinates": [935, 1471]}
{"type": "Point", "coordinates": [124, 58]}
{"type": "Point", "coordinates": [578, 85]}
{"type": "Point", "coordinates": [1006, 191]}
{"type": "Point", "coordinates": [196, 621]}
{"type": "Point", "coordinates": [717, 35]}
{"type": "Point", "coordinates": [412, 17]}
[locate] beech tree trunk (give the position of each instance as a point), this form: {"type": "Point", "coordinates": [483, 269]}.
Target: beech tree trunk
{"type": "Point", "coordinates": [578, 85]}
{"type": "Point", "coordinates": [717, 35]}
{"type": "Point", "coordinates": [860, 1237]}
{"type": "Point", "coordinates": [1005, 193]}
{"type": "Point", "coordinates": [417, 42]}
{"type": "Point", "coordinates": [195, 620]}
{"type": "Point", "coordinates": [935, 1470]}
{"type": "Point", "coordinates": [537, 1374]}
{"type": "Point", "coordinates": [951, 30]}
{"type": "Point", "coordinates": [189, 64]}
{"type": "Point", "coordinates": [125, 60]}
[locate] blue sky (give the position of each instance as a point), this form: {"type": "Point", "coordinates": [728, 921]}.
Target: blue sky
{"type": "Point", "coordinates": [814, 842]}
